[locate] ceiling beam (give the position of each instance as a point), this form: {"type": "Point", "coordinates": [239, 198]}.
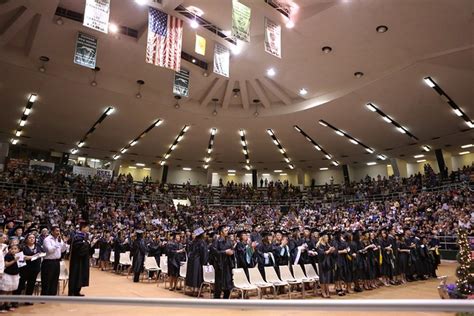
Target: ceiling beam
{"type": "Point", "coordinates": [261, 94]}
{"type": "Point", "coordinates": [10, 5]}
{"type": "Point", "coordinates": [32, 34]}
{"type": "Point", "coordinates": [270, 85]}
{"type": "Point", "coordinates": [170, 5]}
{"type": "Point", "coordinates": [244, 95]}
{"type": "Point", "coordinates": [228, 93]}
{"type": "Point", "coordinates": [212, 91]}
{"type": "Point", "coordinates": [17, 23]}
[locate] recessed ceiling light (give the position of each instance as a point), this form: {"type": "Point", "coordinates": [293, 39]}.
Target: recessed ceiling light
{"type": "Point", "coordinates": [18, 133]}
{"type": "Point", "coordinates": [464, 152]}
{"type": "Point", "coordinates": [382, 157]}
{"type": "Point", "coordinates": [387, 119]}
{"type": "Point", "coordinates": [113, 28]}
{"type": "Point", "coordinates": [74, 151]}
{"type": "Point", "coordinates": [371, 163]}
{"type": "Point", "coordinates": [303, 91]}
{"type": "Point", "coordinates": [283, 174]}
{"type": "Point", "coordinates": [14, 141]}
{"type": "Point", "coordinates": [265, 174]}
{"type": "Point", "coordinates": [231, 174]}
{"type": "Point", "coordinates": [231, 171]}
{"type": "Point", "coordinates": [109, 111]}
{"type": "Point", "coordinates": [426, 148]}
{"type": "Point", "coordinates": [271, 72]}
{"type": "Point", "coordinates": [32, 98]}
{"type": "Point", "coordinates": [467, 146]}
{"type": "Point", "coordinates": [401, 130]}
{"type": "Point", "coordinates": [328, 156]}
{"type": "Point", "coordinates": [277, 171]}
{"type": "Point", "coordinates": [457, 112]}
{"type": "Point", "coordinates": [339, 133]}
{"type": "Point", "coordinates": [358, 74]}
{"type": "Point", "coordinates": [324, 168]}
{"type": "Point", "coordinates": [418, 156]}
{"type": "Point", "coordinates": [381, 29]}
{"type": "Point", "coordinates": [353, 141]}
{"type": "Point", "coordinates": [421, 160]}
{"type": "Point", "coordinates": [132, 167]}
{"type": "Point", "coordinates": [141, 2]}
{"type": "Point", "coordinates": [290, 24]}
{"type": "Point", "coordinates": [187, 169]}
{"type": "Point", "coordinates": [335, 163]}
{"type": "Point", "coordinates": [322, 123]}
{"type": "Point", "coordinates": [326, 49]}
{"type": "Point", "coordinates": [139, 164]}
{"type": "Point", "coordinates": [236, 49]}
{"type": "Point", "coordinates": [80, 144]}
{"type": "Point", "coordinates": [369, 150]}
{"type": "Point", "coordinates": [470, 124]}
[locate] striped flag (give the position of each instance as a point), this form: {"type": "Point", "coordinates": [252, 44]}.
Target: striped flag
{"type": "Point", "coordinates": [165, 38]}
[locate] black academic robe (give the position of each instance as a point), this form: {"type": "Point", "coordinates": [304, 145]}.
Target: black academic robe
{"type": "Point", "coordinates": [198, 256]}
{"type": "Point", "coordinates": [175, 258]}
{"type": "Point", "coordinates": [342, 271]}
{"type": "Point", "coordinates": [138, 253]}
{"type": "Point", "coordinates": [265, 250]}
{"type": "Point", "coordinates": [245, 257]}
{"type": "Point", "coordinates": [387, 266]}
{"type": "Point", "coordinates": [326, 264]}
{"type": "Point", "coordinates": [223, 264]}
{"type": "Point", "coordinates": [78, 263]}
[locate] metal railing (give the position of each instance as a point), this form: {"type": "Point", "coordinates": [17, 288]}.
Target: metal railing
{"type": "Point", "coordinates": [423, 305]}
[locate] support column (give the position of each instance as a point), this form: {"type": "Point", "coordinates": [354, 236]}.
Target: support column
{"type": "Point", "coordinates": [441, 163]}
{"type": "Point", "coordinates": [209, 177]}
{"type": "Point", "coordinates": [395, 168]}
{"type": "Point", "coordinates": [300, 177]}
{"type": "Point", "coordinates": [164, 175]}
{"type": "Point", "coordinates": [345, 172]}
{"type": "Point", "coordinates": [254, 178]}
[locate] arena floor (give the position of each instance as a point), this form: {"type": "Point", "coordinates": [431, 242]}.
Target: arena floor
{"type": "Point", "coordinates": [109, 284]}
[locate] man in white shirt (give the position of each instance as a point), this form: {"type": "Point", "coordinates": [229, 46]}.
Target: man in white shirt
{"type": "Point", "coordinates": [54, 246]}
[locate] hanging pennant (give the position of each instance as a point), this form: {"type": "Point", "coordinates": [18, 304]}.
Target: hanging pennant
{"type": "Point", "coordinates": [221, 60]}
{"type": "Point", "coordinates": [86, 50]}
{"type": "Point", "coordinates": [96, 15]}
{"type": "Point", "coordinates": [181, 83]}
{"type": "Point", "coordinates": [272, 38]}
{"type": "Point", "coordinates": [200, 46]}
{"type": "Point", "coordinates": [240, 21]}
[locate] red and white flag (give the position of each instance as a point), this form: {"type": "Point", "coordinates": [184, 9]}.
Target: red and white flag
{"type": "Point", "coordinates": [165, 39]}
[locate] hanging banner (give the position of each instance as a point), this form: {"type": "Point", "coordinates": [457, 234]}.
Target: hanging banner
{"type": "Point", "coordinates": [200, 46]}
{"type": "Point", "coordinates": [86, 50]}
{"type": "Point", "coordinates": [272, 38]}
{"type": "Point", "coordinates": [96, 15]}
{"type": "Point", "coordinates": [221, 60]}
{"type": "Point", "coordinates": [181, 83]}
{"type": "Point", "coordinates": [240, 21]}
{"type": "Point", "coordinates": [41, 166]}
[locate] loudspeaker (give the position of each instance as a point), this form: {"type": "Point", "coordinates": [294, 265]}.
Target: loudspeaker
{"type": "Point", "coordinates": [65, 159]}
{"type": "Point", "coordinates": [254, 178]}
{"type": "Point", "coordinates": [164, 176]}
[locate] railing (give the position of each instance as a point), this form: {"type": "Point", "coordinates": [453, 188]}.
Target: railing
{"type": "Point", "coordinates": [431, 305]}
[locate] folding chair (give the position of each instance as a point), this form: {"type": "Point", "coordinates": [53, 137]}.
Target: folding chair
{"type": "Point", "coordinates": [273, 278]}
{"type": "Point", "coordinates": [63, 276]}
{"type": "Point", "coordinates": [255, 278]}
{"type": "Point", "coordinates": [312, 274]}
{"type": "Point", "coordinates": [242, 284]}
{"type": "Point", "coordinates": [286, 276]}
{"type": "Point", "coordinates": [150, 266]}
{"type": "Point", "coordinates": [163, 269]}
{"type": "Point", "coordinates": [209, 277]}
{"type": "Point", "coordinates": [182, 274]}
{"type": "Point", "coordinates": [301, 277]}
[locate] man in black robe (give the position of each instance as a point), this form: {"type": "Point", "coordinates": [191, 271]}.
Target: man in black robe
{"type": "Point", "coordinates": [139, 252]}
{"type": "Point", "coordinates": [245, 254]}
{"type": "Point", "coordinates": [221, 257]}
{"type": "Point", "coordinates": [79, 261]}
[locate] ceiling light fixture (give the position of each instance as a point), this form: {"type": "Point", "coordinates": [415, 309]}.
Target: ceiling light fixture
{"type": "Point", "coordinates": [467, 146]}
{"type": "Point", "coordinates": [381, 29]}
{"type": "Point", "coordinates": [358, 74]}
{"type": "Point", "coordinates": [421, 160]}
{"type": "Point", "coordinates": [18, 133]}
{"type": "Point", "coordinates": [141, 2]}
{"type": "Point", "coordinates": [139, 164]}
{"type": "Point", "coordinates": [140, 83]}
{"type": "Point", "coordinates": [175, 143]}
{"type": "Point", "coordinates": [187, 169]}
{"type": "Point", "coordinates": [372, 107]}
{"type": "Point", "coordinates": [74, 151]}
{"type": "Point", "coordinates": [290, 24]}
{"type": "Point", "coordinates": [280, 148]}
{"type": "Point", "coordinates": [372, 163]}
{"type": "Point", "coordinates": [426, 148]}
{"type": "Point", "coordinates": [324, 168]}
{"type": "Point", "coordinates": [14, 141]}
{"type": "Point", "coordinates": [271, 72]}
{"type": "Point", "coordinates": [464, 152]}
{"type": "Point", "coordinates": [94, 82]}
{"type": "Point", "coordinates": [113, 27]}
{"type": "Point", "coordinates": [418, 156]}
{"type": "Point", "coordinates": [44, 60]}
{"type": "Point", "coordinates": [303, 92]}
{"type": "Point", "coordinates": [194, 23]}
{"type": "Point", "coordinates": [335, 163]}
{"type": "Point", "coordinates": [326, 49]}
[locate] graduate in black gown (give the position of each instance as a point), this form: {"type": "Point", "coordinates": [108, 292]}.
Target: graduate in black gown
{"type": "Point", "coordinates": [176, 255]}
{"type": "Point", "coordinates": [326, 263]}
{"type": "Point", "coordinates": [198, 256]}
{"type": "Point", "coordinates": [138, 251]}
{"type": "Point", "coordinates": [245, 252]}
{"type": "Point", "coordinates": [79, 260]}
{"type": "Point", "coordinates": [281, 250]}
{"type": "Point", "coordinates": [388, 259]}
{"type": "Point", "coordinates": [357, 261]}
{"type": "Point", "coordinates": [293, 242]}
{"type": "Point", "coordinates": [341, 275]}
{"type": "Point", "coordinates": [265, 257]}
{"type": "Point", "coordinates": [221, 257]}
{"type": "Point", "coordinates": [434, 252]}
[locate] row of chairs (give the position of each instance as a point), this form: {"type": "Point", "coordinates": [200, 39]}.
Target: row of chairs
{"type": "Point", "coordinates": [62, 282]}
{"type": "Point", "coordinates": [288, 280]}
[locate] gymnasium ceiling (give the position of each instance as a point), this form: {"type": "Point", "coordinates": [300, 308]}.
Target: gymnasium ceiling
{"type": "Point", "coordinates": [424, 38]}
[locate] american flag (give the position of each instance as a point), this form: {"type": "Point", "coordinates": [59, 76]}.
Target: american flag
{"type": "Point", "coordinates": [165, 38]}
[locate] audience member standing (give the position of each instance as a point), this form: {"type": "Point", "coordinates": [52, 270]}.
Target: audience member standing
{"type": "Point", "coordinates": [54, 246]}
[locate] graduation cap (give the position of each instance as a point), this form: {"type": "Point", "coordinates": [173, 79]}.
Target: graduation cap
{"type": "Point", "coordinates": [266, 233]}
{"type": "Point", "coordinates": [314, 230]}
{"type": "Point", "coordinates": [221, 228]}
{"type": "Point", "coordinates": [295, 228]}
{"type": "Point", "coordinates": [199, 231]}
{"type": "Point", "coordinates": [324, 233]}
{"type": "Point", "coordinates": [241, 232]}
{"type": "Point", "coordinates": [139, 232]}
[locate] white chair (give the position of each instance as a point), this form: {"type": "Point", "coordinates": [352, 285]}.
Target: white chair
{"type": "Point", "coordinates": [95, 256]}
{"type": "Point", "coordinates": [242, 284]}
{"type": "Point", "coordinates": [255, 278]}
{"type": "Point", "coordinates": [112, 257]}
{"type": "Point", "coordinates": [163, 269]}
{"type": "Point", "coordinates": [63, 276]}
{"type": "Point", "coordinates": [286, 276]}
{"type": "Point", "coordinates": [124, 260]}
{"type": "Point", "coordinates": [312, 274]}
{"type": "Point", "coordinates": [150, 266]}
{"type": "Point", "coordinates": [182, 274]}
{"type": "Point", "coordinates": [301, 277]}
{"type": "Point", "coordinates": [209, 276]}
{"type": "Point", "coordinates": [272, 277]}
